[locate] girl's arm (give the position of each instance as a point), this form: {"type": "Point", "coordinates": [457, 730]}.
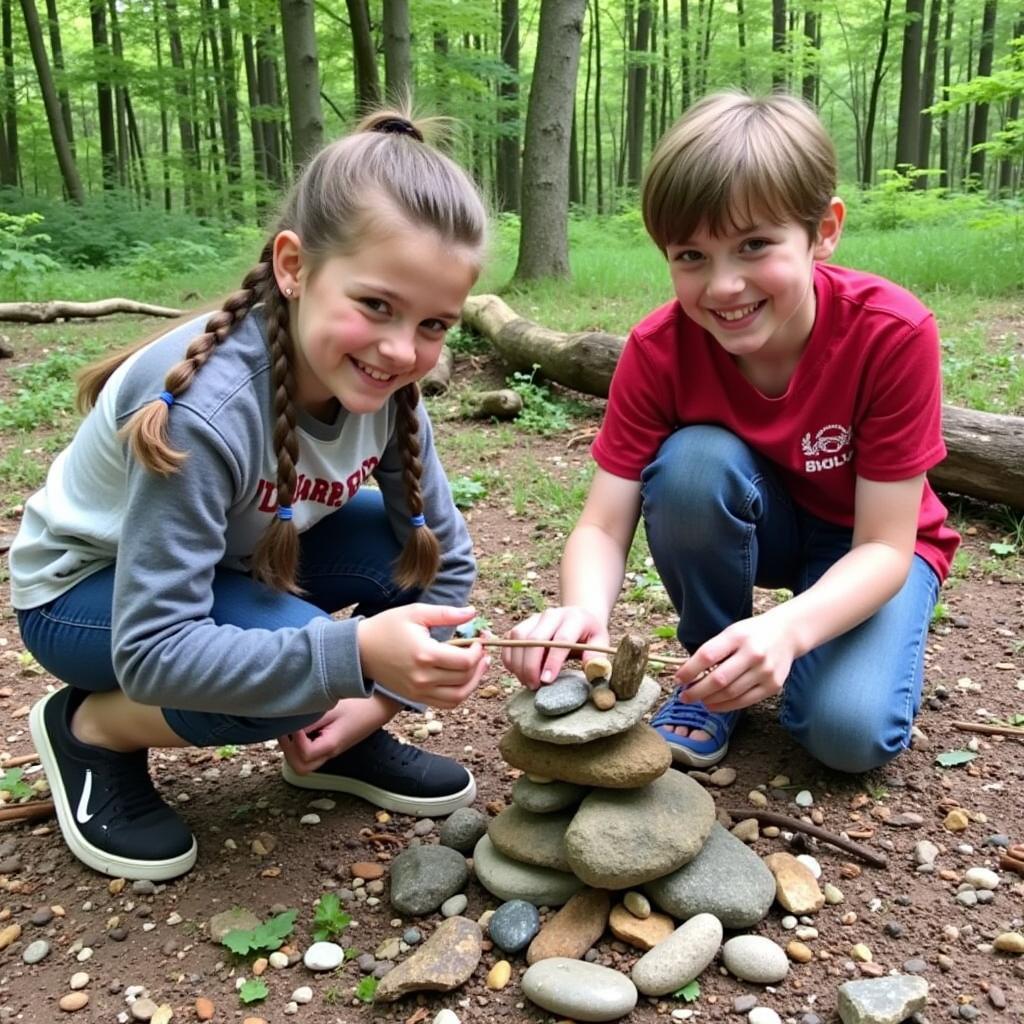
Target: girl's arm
{"type": "Point", "coordinates": [592, 570]}
{"type": "Point", "coordinates": [753, 657]}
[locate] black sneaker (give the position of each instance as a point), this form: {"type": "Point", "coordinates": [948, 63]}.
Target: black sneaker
{"type": "Point", "coordinates": [397, 776]}
{"type": "Point", "coordinates": [110, 814]}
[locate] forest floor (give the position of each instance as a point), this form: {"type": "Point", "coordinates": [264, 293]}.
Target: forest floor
{"type": "Point", "coordinates": [523, 490]}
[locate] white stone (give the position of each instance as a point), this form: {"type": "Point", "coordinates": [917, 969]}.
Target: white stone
{"type": "Point", "coordinates": [755, 958]}
{"type": "Point", "coordinates": [981, 878]}
{"type": "Point", "coordinates": [278, 960]}
{"type": "Point", "coordinates": [804, 798]}
{"type": "Point", "coordinates": [303, 994]}
{"type": "Point", "coordinates": [789, 922]}
{"type": "Point", "coordinates": [79, 980]}
{"type": "Point", "coordinates": [810, 863]}
{"type": "Point", "coordinates": [324, 956]}
{"type": "Point", "coordinates": [763, 1015]}
{"type": "Point", "coordinates": [310, 819]}
{"type": "Point", "coordinates": [445, 1016]}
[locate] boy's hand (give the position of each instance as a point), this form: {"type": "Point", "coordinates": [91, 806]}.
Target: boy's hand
{"type": "Point", "coordinates": [397, 650]}
{"type": "Point", "coordinates": [537, 666]}
{"type": "Point", "coordinates": [745, 663]}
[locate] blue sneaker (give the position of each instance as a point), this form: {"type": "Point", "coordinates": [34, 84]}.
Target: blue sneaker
{"type": "Point", "coordinates": [685, 749]}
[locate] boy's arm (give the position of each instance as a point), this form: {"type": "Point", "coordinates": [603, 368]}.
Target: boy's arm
{"type": "Point", "coordinates": [754, 656]}
{"type": "Point", "coordinates": [592, 570]}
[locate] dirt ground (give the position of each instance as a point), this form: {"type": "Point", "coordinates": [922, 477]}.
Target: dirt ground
{"type": "Point", "coordinates": [975, 671]}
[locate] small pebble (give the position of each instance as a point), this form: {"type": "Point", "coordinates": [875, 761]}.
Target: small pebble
{"type": "Point", "coordinates": [637, 904]}
{"type": "Point", "coordinates": [73, 1001]}
{"type": "Point", "coordinates": [804, 799]}
{"type": "Point", "coordinates": [454, 905]}
{"type": "Point", "coordinates": [763, 1015]}
{"type": "Point", "coordinates": [36, 951]}
{"type": "Point", "coordinates": [498, 976]}
{"type": "Point", "coordinates": [302, 995]}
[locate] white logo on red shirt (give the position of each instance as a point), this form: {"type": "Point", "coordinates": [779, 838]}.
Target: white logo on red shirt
{"type": "Point", "coordinates": [832, 441]}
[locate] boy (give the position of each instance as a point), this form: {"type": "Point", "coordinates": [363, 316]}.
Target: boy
{"type": "Point", "coordinates": [773, 426]}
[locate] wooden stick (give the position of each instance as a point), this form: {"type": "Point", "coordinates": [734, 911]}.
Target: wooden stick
{"type": "Point", "coordinates": [19, 761]}
{"type": "Point", "coordinates": [1008, 863]}
{"type": "Point", "coordinates": [27, 812]}
{"type": "Point", "coordinates": [879, 860]}
{"type": "Point", "coordinates": [987, 729]}
{"type": "Point", "coordinates": [460, 641]}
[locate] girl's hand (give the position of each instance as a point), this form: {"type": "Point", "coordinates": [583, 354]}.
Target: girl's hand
{"type": "Point", "coordinates": [307, 749]}
{"type": "Point", "coordinates": [397, 650]}
{"type": "Point", "coordinates": [746, 662]}
{"type": "Point", "coordinates": [537, 666]}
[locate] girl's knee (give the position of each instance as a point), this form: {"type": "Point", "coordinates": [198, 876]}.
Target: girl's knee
{"type": "Point", "coordinates": [851, 743]}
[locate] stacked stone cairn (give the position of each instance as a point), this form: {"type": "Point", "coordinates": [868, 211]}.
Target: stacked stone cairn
{"type": "Point", "coordinates": [600, 826]}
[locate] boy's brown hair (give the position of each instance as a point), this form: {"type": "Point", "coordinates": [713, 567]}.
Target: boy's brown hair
{"type": "Point", "coordinates": [732, 158]}
{"type": "Point", "coordinates": [352, 188]}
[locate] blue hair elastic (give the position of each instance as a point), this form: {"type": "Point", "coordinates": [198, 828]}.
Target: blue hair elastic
{"type": "Point", "coordinates": [284, 512]}
{"type": "Point", "coordinates": [166, 396]}
{"type": "Point", "coordinates": [419, 520]}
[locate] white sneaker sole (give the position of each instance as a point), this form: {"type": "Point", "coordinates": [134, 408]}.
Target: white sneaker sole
{"type": "Point", "coordinates": [686, 756]}
{"type": "Point", "coordinates": [99, 860]}
{"type": "Point", "coordinates": [417, 807]}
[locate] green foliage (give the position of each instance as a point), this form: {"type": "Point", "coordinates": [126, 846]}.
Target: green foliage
{"type": "Point", "coordinates": [463, 342]}
{"type": "Point", "coordinates": [468, 490]}
{"type": "Point", "coordinates": [1002, 550]}
{"type": "Point", "coordinates": [265, 937]}
{"type": "Point", "coordinates": [940, 612]}
{"type": "Point", "coordinates": [542, 412]}
{"type": "Point", "coordinates": [22, 260]}
{"type": "Point", "coordinates": [13, 781]}
{"type": "Point", "coordinates": [688, 992]}
{"type": "Point", "coordinates": [1015, 721]}
{"type": "Point", "coordinates": [153, 261]}
{"type": "Point", "coordinates": [253, 990]}
{"type": "Point", "coordinates": [952, 758]}
{"type": "Point", "coordinates": [28, 664]}
{"type": "Point", "coordinates": [894, 202]}
{"type": "Point", "coordinates": [474, 627]}
{"type": "Point", "coordinates": [367, 988]}
{"type": "Point", "coordinates": [329, 920]}
{"type": "Point", "coordinates": [226, 752]}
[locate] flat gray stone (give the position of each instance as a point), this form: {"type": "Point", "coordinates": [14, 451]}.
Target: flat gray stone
{"type": "Point", "coordinates": [622, 838]}
{"type": "Point", "coordinates": [680, 958]}
{"type": "Point", "coordinates": [513, 925]}
{"type": "Point", "coordinates": [423, 877]}
{"type": "Point", "coordinates": [545, 798]}
{"type": "Point", "coordinates": [584, 724]}
{"type": "Point", "coordinates": [579, 990]}
{"type": "Point", "coordinates": [887, 1000]}
{"type": "Point", "coordinates": [463, 828]}
{"type": "Point", "coordinates": [755, 958]}
{"type": "Point", "coordinates": [726, 879]}
{"type": "Point", "coordinates": [532, 838]}
{"type": "Point", "coordinates": [511, 880]}
{"type": "Point", "coordinates": [569, 691]}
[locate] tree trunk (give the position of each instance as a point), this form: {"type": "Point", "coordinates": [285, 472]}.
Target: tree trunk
{"type": "Point", "coordinates": [685, 66]}
{"type": "Point", "coordinates": [812, 56]}
{"type": "Point", "coordinates": [270, 104]}
{"type": "Point", "coordinates": [57, 51]}
{"type": "Point", "coordinates": [9, 168]}
{"type": "Point", "coordinates": [543, 240]}
{"type": "Point", "coordinates": [397, 51]}
{"type": "Point", "coordinates": [259, 146]}
{"type": "Point", "coordinates": [931, 58]}
{"type": "Point", "coordinates": [637, 94]}
{"type": "Point", "coordinates": [741, 39]}
{"type": "Point", "coordinates": [598, 145]}
{"type": "Point", "coordinates": [211, 105]}
{"type": "Point", "coordinates": [165, 141]}
{"type": "Point", "coordinates": [587, 79]}
{"type": "Point", "coordinates": [574, 163]}
{"type": "Point", "coordinates": [508, 183]}
{"type": "Point", "coordinates": [986, 450]}
{"type": "Point", "coordinates": [302, 70]}
{"type": "Point", "coordinates": [227, 93]}
{"type": "Point", "coordinates": [947, 71]}
{"type": "Point", "coordinates": [778, 44]}
{"type": "Point", "coordinates": [666, 73]}
{"type": "Point", "coordinates": [104, 94]}
{"type": "Point", "coordinates": [61, 147]}
{"type": "Point", "coordinates": [124, 158]}
{"type": "Point", "coordinates": [1006, 183]}
{"type": "Point", "coordinates": [367, 80]}
{"type": "Point", "coordinates": [867, 168]}
{"type": "Point", "coordinates": [186, 130]}
{"type": "Point", "coordinates": [979, 132]}
{"type": "Point", "coordinates": [48, 312]}
{"type": "Point", "coordinates": [908, 131]}
{"type": "Point", "coordinates": [135, 141]}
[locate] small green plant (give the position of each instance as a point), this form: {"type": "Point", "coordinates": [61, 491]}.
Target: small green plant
{"type": "Point", "coordinates": [689, 992]}
{"type": "Point", "coordinates": [467, 490]}
{"type": "Point", "coordinates": [334, 994]}
{"type": "Point", "coordinates": [329, 920]}
{"type": "Point", "coordinates": [664, 632]}
{"type": "Point", "coordinates": [1015, 721]}
{"type": "Point", "coordinates": [1002, 550]}
{"type": "Point", "coordinates": [22, 261]}
{"type": "Point", "coordinates": [253, 990]}
{"type": "Point", "coordinates": [226, 752]}
{"type": "Point", "coordinates": [940, 612]}
{"type": "Point", "coordinates": [367, 989]}
{"type": "Point", "coordinates": [28, 664]}
{"type": "Point", "coordinates": [474, 627]}
{"type": "Point", "coordinates": [13, 781]}
{"type": "Point", "coordinates": [542, 414]}
{"type": "Point", "coordinates": [265, 937]}
{"type": "Point", "coordinates": [461, 341]}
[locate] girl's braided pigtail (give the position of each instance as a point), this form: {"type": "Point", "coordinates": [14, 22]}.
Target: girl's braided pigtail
{"type": "Point", "coordinates": [276, 558]}
{"type": "Point", "coordinates": [421, 557]}
{"type": "Point", "coordinates": [146, 431]}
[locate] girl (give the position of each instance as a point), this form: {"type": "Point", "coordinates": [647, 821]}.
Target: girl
{"type": "Point", "coordinates": [180, 566]}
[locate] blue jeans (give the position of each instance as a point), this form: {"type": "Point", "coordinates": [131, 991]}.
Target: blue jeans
{"type": "Point", "coordinates": [718, 523]}
{"type": "Point", "coordinates": [345, 559]}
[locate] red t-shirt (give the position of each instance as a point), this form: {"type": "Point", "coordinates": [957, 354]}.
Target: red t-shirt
{"type": "Point", "coordinates": [865, 400]}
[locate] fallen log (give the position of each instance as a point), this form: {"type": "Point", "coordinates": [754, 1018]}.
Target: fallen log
{"type": "Point", "coordinates": [47, 312]}
{"type": "Point", "coordinates": [985, 450]}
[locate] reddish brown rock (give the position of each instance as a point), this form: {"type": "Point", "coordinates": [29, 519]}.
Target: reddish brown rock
{"type": "Point", "coordinates": [795, 887]}
{"type": "Point", "coordinates": [640, 933]}
{"type": "Point", "coordinates": [574, 929]}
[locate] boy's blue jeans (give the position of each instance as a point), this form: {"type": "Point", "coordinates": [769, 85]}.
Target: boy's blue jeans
{"type": "Point", "coordinates": [718, 522]}
{"type": "Point", "coordinates": [346, 559]}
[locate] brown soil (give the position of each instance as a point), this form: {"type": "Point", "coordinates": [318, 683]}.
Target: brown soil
{"type": "Point", "coordinates": [898, 913]}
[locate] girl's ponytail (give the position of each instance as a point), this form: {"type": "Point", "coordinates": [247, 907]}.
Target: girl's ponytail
{"type": "Point", "coordinates": [420, 558]}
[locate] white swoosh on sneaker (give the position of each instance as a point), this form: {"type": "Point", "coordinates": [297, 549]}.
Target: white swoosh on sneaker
{"type": "Point", "coordinates": [82, 814]}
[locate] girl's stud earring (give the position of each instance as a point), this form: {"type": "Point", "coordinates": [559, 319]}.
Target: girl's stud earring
{"type": "Point", "coordinates": [289, 292]}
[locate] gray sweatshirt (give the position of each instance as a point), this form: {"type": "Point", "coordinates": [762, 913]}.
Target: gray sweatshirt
{"type": "Point", "coordinates": [167, 535]}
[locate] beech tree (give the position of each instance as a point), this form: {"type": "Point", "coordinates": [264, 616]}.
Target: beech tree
{"type": "Point", "coordinates": [302, 69]}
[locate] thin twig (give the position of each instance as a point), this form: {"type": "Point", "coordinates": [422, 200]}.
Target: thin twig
{"type": "Point", "coordinates": [27, 812]}
{"type": "Point", "coordinates": [879, 860]}
{"type": "Point", "coordinates": [987, 729]}
{"type": "Point", "coordinates": [19, 761]}
{"type": "Point", "coordinates": [1008, 863]}
{"type": "Point", "coordinates": [460, 641]}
